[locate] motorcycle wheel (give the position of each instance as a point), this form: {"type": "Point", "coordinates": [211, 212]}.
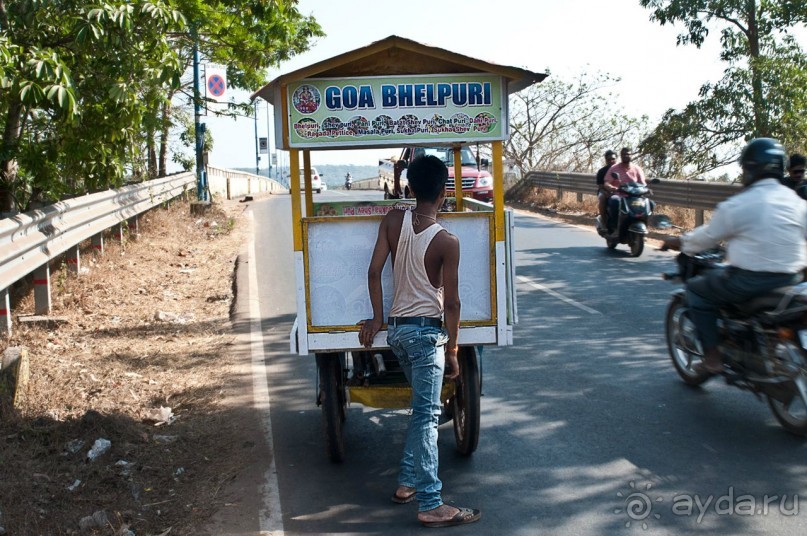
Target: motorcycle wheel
{"type": "Point", "coordinates": [679, 326]}
{"type": "Point", "coordinates": [612, 243]}
{"type": "Point", "coordinates": [636, 244]}
{"type": "Point", "coordinates": [792, 415]}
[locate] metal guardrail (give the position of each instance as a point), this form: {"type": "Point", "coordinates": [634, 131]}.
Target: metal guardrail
{"type": "Point", "coordinates": [34, 238]}
{"type": "Point", "coordinates": [30, 241]}
{"type": "Point", "coordinates": [699, 195]}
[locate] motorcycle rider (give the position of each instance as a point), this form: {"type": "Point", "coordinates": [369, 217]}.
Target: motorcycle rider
{"type": "Point", "coordinates": [764, 227]}
{"type": "Point", "coordinates": [348, 180]}
{"type": "Point", "coordinates": [622, 173]}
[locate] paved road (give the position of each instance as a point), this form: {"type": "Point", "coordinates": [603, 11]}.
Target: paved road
{"type": "Point", "coordinates": [585, 427]}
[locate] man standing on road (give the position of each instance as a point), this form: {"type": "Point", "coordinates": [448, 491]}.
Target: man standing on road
{"type": "Point", "coordinates": [425, 262]}
{"type": "Point", "coordinates": [602, 194]}
{"type": "Point", "coordinates": [619, 174]}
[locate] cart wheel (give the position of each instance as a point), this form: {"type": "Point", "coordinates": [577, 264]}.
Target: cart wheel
{"type": "Point", "coordinates": [465, 402]}
{"type": "Point", "coordinates": [333, 401]}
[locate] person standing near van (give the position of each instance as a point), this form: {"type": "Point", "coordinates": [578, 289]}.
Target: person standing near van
{"type": "Point", "coordinates": [425, 262]}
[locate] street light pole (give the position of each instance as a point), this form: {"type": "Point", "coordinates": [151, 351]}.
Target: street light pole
{"type": "Point", "coordinates": [199, 128]}
{"type": "Point", "coordinates": [257, 147]}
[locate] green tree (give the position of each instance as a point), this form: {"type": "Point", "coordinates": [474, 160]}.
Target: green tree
{"type": "Point", "coordinates": [72, 79]}
{"type": "Point", "coordinates": [763, 91]}
{"type": "Point", "coordinates": [86, 87]}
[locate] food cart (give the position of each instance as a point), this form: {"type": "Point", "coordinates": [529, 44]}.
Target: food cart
{"type": "Point", "coordinates": [391, 93]}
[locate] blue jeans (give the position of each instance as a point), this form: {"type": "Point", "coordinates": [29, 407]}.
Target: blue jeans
{"type": "Point", "coordinates": [420, 352]}
{"type": "Point", "coordinates": [706, 293]}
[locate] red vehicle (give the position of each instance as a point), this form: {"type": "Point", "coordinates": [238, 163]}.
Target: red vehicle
{"type": "Point", "coordinates": [477, 182]}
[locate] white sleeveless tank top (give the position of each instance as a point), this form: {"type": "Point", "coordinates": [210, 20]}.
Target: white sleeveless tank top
{"type": "Point", "coordinates": [414, 293]}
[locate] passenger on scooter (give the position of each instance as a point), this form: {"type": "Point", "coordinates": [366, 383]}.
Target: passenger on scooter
{"type": "Point", "coordinates": [764, 228]}
{"type": "Point", "coordinates": [617, 175]}
{"type": "Point", "coordinates": [602, 194]}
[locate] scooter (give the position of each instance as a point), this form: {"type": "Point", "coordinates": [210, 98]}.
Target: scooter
{"type": "Point", "coordinates": [635, 208]}
{"type": "Point", "coordinates": [348, 183]}
{"type": "Point", "coordinates": [763, 343]}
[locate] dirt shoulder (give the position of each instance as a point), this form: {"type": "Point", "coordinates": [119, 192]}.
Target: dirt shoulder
{"type": "Point", "coordinates": [147, 361]}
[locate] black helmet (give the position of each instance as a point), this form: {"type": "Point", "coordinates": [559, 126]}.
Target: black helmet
{"type": "Point", "coordinates": [763, 158]}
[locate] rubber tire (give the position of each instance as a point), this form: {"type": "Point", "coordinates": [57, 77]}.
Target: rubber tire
{"type": "Point", "coordinates": [690, 376]}
{"type": "Point", "coordinates": [612, 243]}
{"type": "Point", "coordinates": [788, 423]}
{"type": "Point", "coordinates": [466, 402]}
{"type": "Point", "coordinates": [319, 191]}
{"type": "Point", "coordinates": [333, 402]}
{"type": "Point", "coordinates": [636, 245]}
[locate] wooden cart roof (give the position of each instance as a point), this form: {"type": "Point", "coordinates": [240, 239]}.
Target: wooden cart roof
{"type": "Point", "coordinates": [399, 56]}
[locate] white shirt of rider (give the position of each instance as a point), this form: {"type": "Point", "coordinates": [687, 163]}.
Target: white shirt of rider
{"type": "Point", "coordinates": [764, 226]}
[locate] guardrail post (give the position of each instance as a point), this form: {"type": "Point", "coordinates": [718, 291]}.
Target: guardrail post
{"type": "Point", "coordinates": [97, 242]}
{"type": "Point", "coordinates": [579, 197]}
{"type": "Point", "coordinates": [117, 232]}
{"type": "Point", "coordinates": [134, 226]}
{"type": "Point", "coordinates": [73, 259]}
{"type": "Point", "coordinates": [42, 290]}
{"type": "Point", "coordinates": [5, 313]}
{"type": "Point", "coordinates": [698, 217]}
{"type": "Point", "coordinates": [560, 194]}
{"type": "Point", "coordinates": [229, 196]}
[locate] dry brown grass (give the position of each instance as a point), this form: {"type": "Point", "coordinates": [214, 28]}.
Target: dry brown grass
{"type": "Point", "coordinates": [102, 374]}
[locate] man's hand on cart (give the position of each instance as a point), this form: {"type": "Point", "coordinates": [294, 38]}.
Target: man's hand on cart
{"type": "Point", "coordinates": [369, 329]}
{"type": "Point", "coordinates": [452, 369]}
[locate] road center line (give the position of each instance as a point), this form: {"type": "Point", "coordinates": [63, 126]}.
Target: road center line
{"type": "Point", "coordinates": [271, 517]}
{"type": "Point", "coordinates": [557, 295]}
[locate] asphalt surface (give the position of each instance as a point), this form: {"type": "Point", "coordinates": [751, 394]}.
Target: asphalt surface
{"type": "Point", "coordinates": [586, 428]}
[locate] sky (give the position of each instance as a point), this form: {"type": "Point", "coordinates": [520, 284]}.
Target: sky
{"type": "Point", "coordinates": [564, 37]}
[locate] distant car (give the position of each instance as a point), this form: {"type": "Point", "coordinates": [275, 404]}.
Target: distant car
{"type": "Point", "coordinates": [316, 180]}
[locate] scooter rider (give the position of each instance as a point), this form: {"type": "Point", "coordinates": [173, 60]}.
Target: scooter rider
{"type": "Point", "coordinates": [764, 227]}
{"type": "Point", "coordinates": [348, 180]}
{"type": "Point", "coordinates": [618, 174]}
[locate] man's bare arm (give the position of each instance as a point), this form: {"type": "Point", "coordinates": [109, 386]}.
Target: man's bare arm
{"type": "Point", "coordinates": [451, 302]}
{"type": "Point", "coordinates": [380, 253]}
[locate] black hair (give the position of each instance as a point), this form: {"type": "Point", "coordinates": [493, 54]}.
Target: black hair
{"type": "Point", "coordinates": [427, 176]}
{"type": "Point", "coordinates": [609, 153]}
{"type": "Point", "coordinates": [796, 159]}
{"type": "Point", "coordinates": [625, 150]}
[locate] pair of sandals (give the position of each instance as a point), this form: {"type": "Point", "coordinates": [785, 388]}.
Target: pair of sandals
{"type": "Point", "coordinates": [462, 517]}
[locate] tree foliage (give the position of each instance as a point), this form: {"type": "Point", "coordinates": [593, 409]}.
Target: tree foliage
{"type": "Point", "coordinates": [763, 91]}
{"type": "Point", "coordinates": [86, 86]}
{"type": "Point", "coordinates": [567, 125]}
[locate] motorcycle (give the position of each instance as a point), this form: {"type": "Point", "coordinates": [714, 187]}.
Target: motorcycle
{"type": "Point", "coordinates": [763, 343]}
{"type": "Point", "coordinates": [348, 183]}
{"type": "Point", "coordinates": [635, 208]}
